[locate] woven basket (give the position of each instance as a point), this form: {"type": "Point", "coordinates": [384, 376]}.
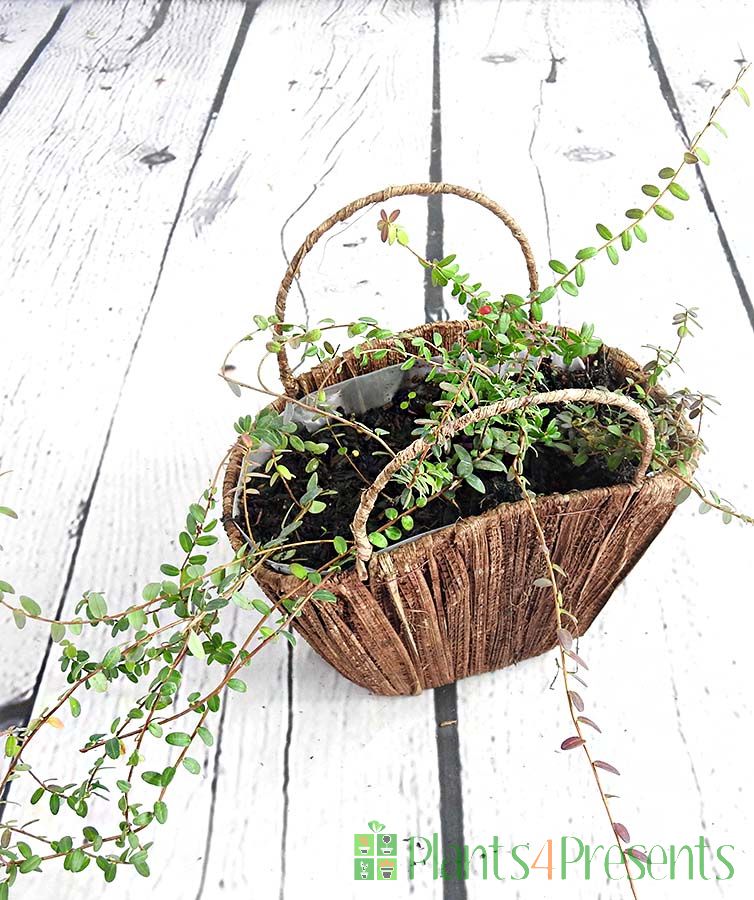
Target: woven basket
{"type": "Point", "coordinates": [461, 600]}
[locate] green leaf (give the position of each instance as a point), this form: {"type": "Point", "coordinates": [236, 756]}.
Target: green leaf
{"type": "Point", "coordinates": [640, 233]}
{"type": "Point", "coordinates": [57, 632]}
{"type": "Point", "coordinates": [557, 266]}
{"type": "Point", "coordinates": [155, 729]}
{"type": "Point", "coordinates": [663, 212]}
{"type": "Point", "coordinates": [96, 605]}
{"type": "Point", "coordinates": [547, 294]}
{"type": "Point", "coordinates": [153, 778]}
{"type": "Point", "coordinates": [586, 253]}
{"type": "Point", "coordinates": [19, 618]}
{"type": "Point", "coordinates": [325, 596]}
{"type": "Point", "coordinates": [6, 588]}
{"type": "Point", "coordinates": [261, 606]}
{"type": "Point", "coordinates": [612, 254]}
{"type": "Point", "coordinates": [142, 868]}
{"type": "Point", "coordinates": [690, 158]}
{"type": "Point", "coordinates": [206, 735]}
{"type": "Point", "coordinates": [579, 275]}
{"type": "Point", "coordinates": [99, 682]}
{"type": "Point", "coordinates": [170, 570]}
{"type": "Point", "coordinates": [537, 312]}
{"type": "Point", "coordinates": [626, 240]}
{"type": "Point", "coordinates": [112, 658]}
{"type": "Point", "coordinates": [7, 511]}
{"type": "Point", "coordinates": [682, 495]}
{"type": "Point", "coordinates": [31, 606]}
{"type": "Point", "coordinates": [191, 765]}
{"type": "Point", "coordinates": [178, 739]}
{"type": "Point", "coordinates": [75, 707]}
{"type": "Point", "coordinates": [137, 618]}
{"type": "Point", "coordinates": [112, 748]}
{"type": "Point", "coordinates": [604, 232]}
{"type": "Point", "coordinates": [666, 172]}
{"type": "Point", "coordinates": [78, 860]}
{"type": "Point", "coordinates": [235, 684]}
{"type": "Point", "coordinates": [743, 95]}
{"type": "Point", "coordinates": [677, 191]}
{"type": "Point", "coordinates": [720, 128]}
{"type": "Point", "coordinates": [651, 190]}
{"type": "Point", "coordinates": [194, 643]}
{"type": "Point", "coordinates": [160, 810]}
{"type": "Point", "coordinates": [634, 213]}
{"type": "Point", "coordinates": [475, 482]}
{"type": "Point", "coordinates": [570, 288]}
{"type": "Point", "coordinates": [298, 571]}
{"type": "Point", "coordinates": [703, 155]}
{"type": "Point", "coordinates": [186, 541]}
{"type": "Point", "coordinates": [28, 865]}
{"type": "Point", "coordinates": [152, 591]}
{"type": "Point", "coordinates": [340, 544]}
{"type": "Point", "coordinates": [378, 539]}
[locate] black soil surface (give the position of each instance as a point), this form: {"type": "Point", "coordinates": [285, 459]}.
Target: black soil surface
{"type": "Point", "coordinates": [549, 471]}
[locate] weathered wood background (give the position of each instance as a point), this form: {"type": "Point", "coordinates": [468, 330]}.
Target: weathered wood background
{"type": "Point", "coordinates": [158, 164]}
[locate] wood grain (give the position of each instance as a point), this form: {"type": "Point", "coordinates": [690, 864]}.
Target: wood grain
{"type": "Point", "coordinates": [125, 283]}
{"type": "Point", "coordinates": [87, 223]}
{"type": "Point", "coordinates": [577, 148]}
{"type": "Point", "coordinates": [24, 26]}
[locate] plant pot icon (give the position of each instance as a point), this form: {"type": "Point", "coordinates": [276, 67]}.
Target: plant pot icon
{"type": "Point", "coordinates": [363, 844]}
{"type": "Point", "coordinates": [386, 845]}
{"type": "Point", "coordinates": [387, 869]}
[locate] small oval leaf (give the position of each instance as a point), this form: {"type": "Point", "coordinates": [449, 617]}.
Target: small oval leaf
{"type": "Point", "coordinates": [594, 725]}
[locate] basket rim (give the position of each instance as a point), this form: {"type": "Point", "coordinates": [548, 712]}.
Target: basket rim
{"type": "Point", "coordinates": [329, 370]}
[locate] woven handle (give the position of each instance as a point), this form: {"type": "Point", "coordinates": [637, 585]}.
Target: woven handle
{"type": "Point", "coordinates": [572, 395]}
{"type": "Point", "coordinates": [401, 190]}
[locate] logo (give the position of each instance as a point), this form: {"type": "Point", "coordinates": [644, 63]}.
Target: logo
{"type": "Point", "coordinates": [375, 854]}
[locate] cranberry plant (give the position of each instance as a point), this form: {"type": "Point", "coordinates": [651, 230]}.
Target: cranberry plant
{"type": "Point", "coordinates": [508, 351]}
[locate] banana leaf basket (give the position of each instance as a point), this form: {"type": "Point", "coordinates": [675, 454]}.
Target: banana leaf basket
{"type": "Point", "coordinates": [462, 600]}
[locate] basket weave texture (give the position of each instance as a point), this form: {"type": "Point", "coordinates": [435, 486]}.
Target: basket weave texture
{"type": "Point", "coordinates": [462, 600]}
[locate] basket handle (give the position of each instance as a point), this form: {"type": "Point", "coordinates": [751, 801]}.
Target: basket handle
{"type": "Point", "coordinates": [501, 407]}
{"type": "Point", "coordinates": [400, 190]}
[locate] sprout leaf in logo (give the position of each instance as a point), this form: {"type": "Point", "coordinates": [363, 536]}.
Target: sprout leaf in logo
{"type": "Point", "coordinates": [376, 826]}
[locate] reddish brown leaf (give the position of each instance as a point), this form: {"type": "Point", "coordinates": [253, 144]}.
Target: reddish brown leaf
{"type": "Point", "coordinates": [600, 764]}
{"type": "Point", "coordinates": [637, 854]}
{"type": "Point", "coordinates": [571, 742]}
{"type": "Point", "coordinates": [565, 638]}
{"type": "Point", "coordinates": [591, 724]}
{"type": "Point", "coordinates": [383, 215]}
{"type": "Point", "coordinates": [394, 215]}
{"type": "Point", "coordinates": [576, 658]}
{"type": "Point", "coordinates": [576, 700]}
{"type": "Point", "coordinates": [577, 677]}
{"type": "Point", "coordinates": [622, 832]}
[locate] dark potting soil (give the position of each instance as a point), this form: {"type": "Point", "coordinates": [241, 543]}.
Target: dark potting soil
{"type": "Point", "coordinates": [548, 470]}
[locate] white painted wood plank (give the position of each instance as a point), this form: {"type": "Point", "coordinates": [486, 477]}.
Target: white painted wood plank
{"type": "Point", "coordinates": [351, 757]}
{"type": "Point", "coordinates": [229, 210]}
{"type": "Point", "coordinates": [596, 140]}
{"type": "Point", "coordinates": [22, 26]}
{"type": "Point", "coordinates": [700, 48]}
{"type": "Point", "coordinates": [86, 224]}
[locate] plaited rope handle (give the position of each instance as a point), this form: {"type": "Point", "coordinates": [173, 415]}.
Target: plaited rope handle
{"type": "Point", "coordinates": [570, 395]}
{"type": "Point", "coordinates": [400, 190]}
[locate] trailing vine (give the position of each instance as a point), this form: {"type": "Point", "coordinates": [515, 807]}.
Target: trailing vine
{"type": "Point", "coordinates": [508, 352]}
